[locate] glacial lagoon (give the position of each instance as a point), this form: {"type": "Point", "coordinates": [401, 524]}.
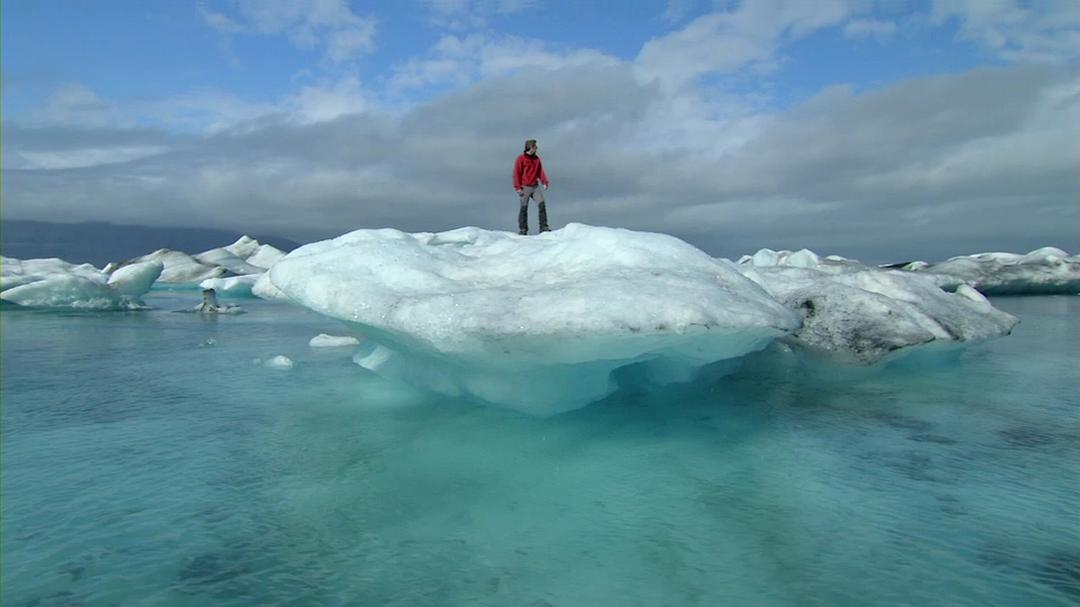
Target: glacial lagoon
{"type": "Point", "coordinates": [153, 458]}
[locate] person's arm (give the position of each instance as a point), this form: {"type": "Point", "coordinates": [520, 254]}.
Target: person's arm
{"type": "Point", "coordinates": [517, 175]}
{"type": "Point", "coordinates": [543, 176]}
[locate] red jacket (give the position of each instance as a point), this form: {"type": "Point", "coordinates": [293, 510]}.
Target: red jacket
{"type": "Point", "coordinates": [528, 171]}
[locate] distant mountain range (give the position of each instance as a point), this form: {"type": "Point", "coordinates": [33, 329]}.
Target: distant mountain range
{"type": "Point", "coordinates": [99, 243]}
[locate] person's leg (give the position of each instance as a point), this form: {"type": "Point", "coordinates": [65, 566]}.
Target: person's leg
{"type": "Point", "coordinates": [523, 212]}
{"type": "Point", "coordinates": [538, 196]}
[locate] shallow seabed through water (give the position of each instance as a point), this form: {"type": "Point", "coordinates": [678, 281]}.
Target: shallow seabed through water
{"type": "Point", "coordinates": [147, 460]}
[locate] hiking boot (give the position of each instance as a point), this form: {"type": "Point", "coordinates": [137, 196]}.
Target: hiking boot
{"type": "Point", "coordinates": [544, 229]}
{"type": "Point", "coordinates": [523, 232]}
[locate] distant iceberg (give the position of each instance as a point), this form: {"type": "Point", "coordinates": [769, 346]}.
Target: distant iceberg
{"type": "Point", "coordinates": [856, 313]}
{"type": "Point", "coordinates": [536, 323]}
{"type": "Point", "coordinates": [1044, 271]}
{"type": "Point", "coordinates": [259, 255]}
{"type": "Point", "coordinates": [245, 257]}
{"type": "Point", "coordinates": [54, 283]}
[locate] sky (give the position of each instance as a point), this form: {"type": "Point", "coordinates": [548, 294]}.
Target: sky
{"type": "Point", "coordinates": [882, 130]}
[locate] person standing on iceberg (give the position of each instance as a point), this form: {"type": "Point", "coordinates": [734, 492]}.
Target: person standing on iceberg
{"type": "Point", "coordinates": [528, 177]}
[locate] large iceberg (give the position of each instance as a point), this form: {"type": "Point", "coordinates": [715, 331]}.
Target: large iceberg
{"type": "Point", "coordinates": [856, 313]}
{"type": "Point", "coordinates": [1044, 271]}
{"type": "Point", "coordinates": [54, 283]}
{"type": "Point", "coordinates": [536, 323]}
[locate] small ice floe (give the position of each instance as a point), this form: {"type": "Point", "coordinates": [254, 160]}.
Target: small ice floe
{"type": "Point", "coordinates": [279, 362]}
{"type": "Point", "coordinates": [210, 305]}
{"type": "Point", "coordinates": [322, 340]}
{"type": "Point", "coordinates": [233, 286]}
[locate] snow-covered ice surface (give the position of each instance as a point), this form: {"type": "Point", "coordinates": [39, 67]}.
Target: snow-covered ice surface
{"type": "Point", "coordinates": [1044, 271]}
{"type": "Point", "coordinates": [147, 461]}
{"type": "Point", "coordinates": [537, 323]}
{"type": "Point", "coordinates": [861, 314]}
{"type": "Point", "coordinates": [54, 283]}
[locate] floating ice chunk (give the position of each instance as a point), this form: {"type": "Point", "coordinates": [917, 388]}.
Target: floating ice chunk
{"type": "Point", "coordinates": [66, 291]}
{"type": "Point", "coordinates": [54, 283]}
{"type": "Point", "coordinates": [536, 323]}
{"type": "Point", "coordinates": [322, 340]}
{"type": "Point", "coordinates": [244, 247]}
{"type": "Point", "coordinates": [136, 279]}
{"type": "Point", "coordinates": [1043, 271]}
{"type": "Point", "coordinates": [179, 267]}
{"type": "Point", "coordinates": [260, 255]}
{"type": "Point", "coordinates": [803, 258]}
{"type": "Point", "coordinates": [16, 272]}
{"type": "Point", "coordinates": [226, 259]}
{"type": "Point", "coordinates": [233, 286]}
{"type": "Point", "coordinates": [279, 362]}
{"type": "Point", "coordinates": [865, 315]}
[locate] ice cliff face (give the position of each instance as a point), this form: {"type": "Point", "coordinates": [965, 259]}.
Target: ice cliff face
{"type": "Point", "coordinates": [537, 323]}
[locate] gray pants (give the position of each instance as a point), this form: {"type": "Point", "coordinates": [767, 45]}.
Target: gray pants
{"type": "Point", "coordinates": [536, 193]}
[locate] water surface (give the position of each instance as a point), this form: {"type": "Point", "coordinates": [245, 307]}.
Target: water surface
{"type": "Point", "coordinates": [147, 460]}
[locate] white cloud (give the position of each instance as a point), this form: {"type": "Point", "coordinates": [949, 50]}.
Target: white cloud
{"type": "Point", "coordinates": [460, 60]}
{"type": "Point", "coordinates": [74, 158]}
{"type": "Point", "coordinates": [308, 24]}
{"type": "Point", "coordinates": [677, 10]}
{"type": "Point", "coordinates": [1046, 31]}
{"type": "Point", "coordinates": [724, 42]}
{"type": "Point", "coordinates": [75, 104]}
{"type": "Point", "coordinates": [468, 14]}
{"type": "Point", "coordinates": [869, 28]}
{"type": "Point", "coordinates": [328, 102]}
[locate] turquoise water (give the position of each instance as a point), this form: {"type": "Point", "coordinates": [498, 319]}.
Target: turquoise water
{"type": "Point", "coordinates": [148, 461]}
